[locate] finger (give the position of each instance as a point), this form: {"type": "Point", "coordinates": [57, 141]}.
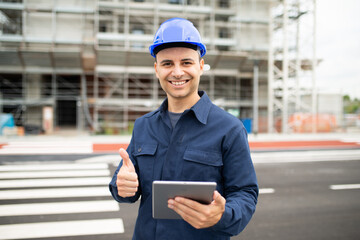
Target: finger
{"type": "Point", "coordinates": [188, 214]}
{"type": "Point", "coordinates": [127, 176]}
{"type": "Point", "coordinates": [188, 207]}
{"type": "Point", "coordinates": [127, 183]}
{"type": "Point", "coordinates": [131, 187]}
{"type": "Point", "coordinates": [172, 204]}
{"type": "Point", "coordinates": [127, 179]}
{"type": "Point", "coordinates": [218, 199]}
{"type": "Point", "coordinates": [189, 203]}
{"type": "Point", "coordinates": [126, 192]}
{"type": "Point", "coordinates": [126, 159]}
{"type": "Point", "coordinates": [126, 188]}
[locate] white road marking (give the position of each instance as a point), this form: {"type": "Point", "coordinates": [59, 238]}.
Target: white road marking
{"type": "Point", "coordinates": [47, 147]}
{"type": "Point", "coordinates": [54, 150]}
{"type": "Point", "coordinates": [61, 229]}
{"type": "Point", "coordinates": [345, 186]}
{"type": "Point", "coordinates": [58, 208]}
{"type": "Point", "coordinates": [110, 159]}
{"type": "Point", "coordinates": [51, 174]}
{"type": "Point", "coordinates": [55, 193]}
{"type": "Point", "coordinates": [55, 182]}
{"type": "Point", "coordinates": [50, 143]}
{"type": "Point", "coordinates": [266, 190]}
{"type": "Point", "coordinates": [43, 167]}
{"type": "Point", "coordinates": [306, 156]}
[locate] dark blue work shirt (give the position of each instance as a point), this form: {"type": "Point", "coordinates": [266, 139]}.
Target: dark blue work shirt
{"type": "Point", "coordinates": [207, 144]}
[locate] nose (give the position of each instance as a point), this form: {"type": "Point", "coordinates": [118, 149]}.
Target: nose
{"type": "Point", "coordinates": [177, 72]}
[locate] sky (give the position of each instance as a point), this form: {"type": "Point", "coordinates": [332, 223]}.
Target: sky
{"type": "Point", "coordinates": [338, 45]}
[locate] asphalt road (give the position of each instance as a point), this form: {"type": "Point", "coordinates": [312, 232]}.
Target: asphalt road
{"type": "Point", "coordinates": [303, 206]}
{"type": "Point", "coordinates": [297, 202]}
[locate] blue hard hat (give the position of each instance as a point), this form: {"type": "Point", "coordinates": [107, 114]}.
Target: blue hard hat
{"type": "Point", "coordinates": [177, 32]}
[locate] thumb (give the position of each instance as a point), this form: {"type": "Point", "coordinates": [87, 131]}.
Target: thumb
{"type": "Point", "coordinates": [218, 199]}
{"type": "Point", "coordinates": [126, 159]}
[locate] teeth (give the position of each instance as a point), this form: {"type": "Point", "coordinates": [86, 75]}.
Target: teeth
{"type": "Point", "coordinates": [178, 83]}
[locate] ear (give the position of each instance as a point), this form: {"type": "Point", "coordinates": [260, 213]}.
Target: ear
{"type": "Point", "coordinates": [202, 62]}
{"type": "Point", "coordinates": [156, 71]}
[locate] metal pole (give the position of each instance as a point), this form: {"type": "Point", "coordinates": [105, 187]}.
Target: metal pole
{"type": "Point", "coordinates": [81, 104]}
{"type": "Point", "coordinates": [212, 25]}
{"type": "Point", "coordinates": [270, 73]}
{"type": "Point", "coordinates": [96, 102]}
{"type": "Point", "coordinates": [314, 100]}
{"type": "Point", "coordinates": [285, 70]}
{"type": "Point", "coordinates": [127, 25]}
{"type": "Point", "coordinates": [256, 98]}
{"type": "Point", "coordinates": [126, 99]}
{"type": "Point", "coordinates": [54, 97]}
{"type": "Point", "coordinates": [85, 106]}
{"type": "Point", "coordinates": [298, 62]}
{"type": "Point", "coordinates": [79, 118]}
{"type": "Point", "coordinates": [156, 16]}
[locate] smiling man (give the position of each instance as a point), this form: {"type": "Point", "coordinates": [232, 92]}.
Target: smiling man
{"type": "Point", "coordinates": [187, 139]}
{"type": "Point", "coordinates": [178, 70]}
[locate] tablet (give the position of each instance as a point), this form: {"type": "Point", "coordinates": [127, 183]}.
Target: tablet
{"type": "Point", "coordinates": [163, 190]}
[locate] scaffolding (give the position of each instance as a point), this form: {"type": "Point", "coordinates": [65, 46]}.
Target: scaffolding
{"type": "Point", "coordinates": [89, 60]}
{"type": "Point", "coordinates": [292, 62]}
{"type": "Point", "coordinates": [234, 38]}
{"type": "Point", "coordinates": [42, 62]}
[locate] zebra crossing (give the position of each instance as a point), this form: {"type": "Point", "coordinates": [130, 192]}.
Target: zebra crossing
{"type": "Point", "coordinates": [52, 200]}
{"type": "Point", "coordinates": [63, 200]}
{"type": "Point", "coordinates": [46, 147]}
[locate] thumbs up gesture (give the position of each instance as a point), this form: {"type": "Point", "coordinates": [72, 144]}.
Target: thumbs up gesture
{"type": "Point", "coordinates": [127, 180]}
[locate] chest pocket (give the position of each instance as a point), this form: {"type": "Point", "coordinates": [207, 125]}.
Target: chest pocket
{"type": "Point", "coordinates": [145, 149]}
{"type": "Point", "coordinates": [145, 156]}
{"type": "Point", "coordinates": [202, 165]}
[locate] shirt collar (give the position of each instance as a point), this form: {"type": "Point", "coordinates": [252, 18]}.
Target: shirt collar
{"type": "Point", "coordinates": [201, 109]}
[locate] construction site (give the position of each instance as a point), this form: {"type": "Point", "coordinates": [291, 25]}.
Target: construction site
{"type": "Point", "coordinates": [85, 64]}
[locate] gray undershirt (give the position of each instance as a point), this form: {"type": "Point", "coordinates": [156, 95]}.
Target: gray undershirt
{"type": "Point", "coordinates": [174, 118]}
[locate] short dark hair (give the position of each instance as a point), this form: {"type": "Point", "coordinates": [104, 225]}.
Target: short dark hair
{"type": "Point", "coordinates": [174, 44]}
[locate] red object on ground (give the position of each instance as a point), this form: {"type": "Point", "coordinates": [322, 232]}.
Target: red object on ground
{"type": "Point", "coordinates": [286, 145]}
{"type": "Point", "coordinates": [256, 146]}
{"type": "Point", "coordinates": [108, 147]}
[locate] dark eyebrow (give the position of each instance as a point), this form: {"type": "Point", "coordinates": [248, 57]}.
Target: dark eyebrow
{"type": "Point", "coordinates": [165, 61]}
{"type": "Point", "coordinates": [183, 60]}
{"type": "Point", "coordinates": [187, 59]}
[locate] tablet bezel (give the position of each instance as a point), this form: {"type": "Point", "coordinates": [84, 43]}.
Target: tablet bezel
{"type": "Point", "coordinates": [164, 190]}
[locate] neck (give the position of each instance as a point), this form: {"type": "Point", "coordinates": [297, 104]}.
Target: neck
{"type": "Point", "coordinates": [180, 105]}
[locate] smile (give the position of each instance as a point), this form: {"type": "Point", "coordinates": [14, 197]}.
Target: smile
{"type": "Point", "coordinates": [178, 83]}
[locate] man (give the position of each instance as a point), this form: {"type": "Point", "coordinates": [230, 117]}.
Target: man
{"type": "Point", "coordinates": [187, 139]}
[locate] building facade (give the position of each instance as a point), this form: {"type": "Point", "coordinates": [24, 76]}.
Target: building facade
{"type": "Point", "coordinates": [88, 61]}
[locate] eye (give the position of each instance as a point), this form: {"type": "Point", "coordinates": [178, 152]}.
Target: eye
{"type": "Point", "coordinates": [166, 64]}
{"type": "Point", "coordinates": [186, 63]}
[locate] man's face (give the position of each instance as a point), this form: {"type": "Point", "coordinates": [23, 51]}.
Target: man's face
{"type": "Point", "coordinates": [178, 70]}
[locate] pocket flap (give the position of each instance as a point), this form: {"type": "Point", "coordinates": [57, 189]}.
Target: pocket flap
{"type": "Point", "coordinates": [203, 157]}
{"type": "Point", "coordinates": [145, 149]}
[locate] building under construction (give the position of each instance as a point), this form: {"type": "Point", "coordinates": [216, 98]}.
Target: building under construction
{"type": "Point", "coordinates": [85, 64]}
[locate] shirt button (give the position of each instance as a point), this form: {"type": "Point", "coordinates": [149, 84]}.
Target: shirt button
{"type": "Point", "coordinates": [139, 149]}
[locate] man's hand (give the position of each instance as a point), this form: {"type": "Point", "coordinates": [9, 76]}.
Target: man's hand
{"type": "Point", "coordinates": [199, 215]}
{"type": "Point", "coordinates": [127, 180]}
